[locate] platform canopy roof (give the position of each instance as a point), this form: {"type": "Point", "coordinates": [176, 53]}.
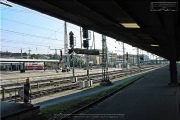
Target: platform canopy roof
{"type": "Point", "coordinates": [155, 29]}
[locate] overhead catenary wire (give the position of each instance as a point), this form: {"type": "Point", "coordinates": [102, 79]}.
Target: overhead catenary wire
{"type": "Point", "coordinates": [29, 43]}
{"type": "Point", "coordinates": [27, 24]}
{"type": "Point", "coordinates": [25, 34]}
{"type": "Point", "coordinates": [36, 27]}
{"type": "Point", "coordinates": [13, 47]}
{"type": "Point", "coordinates": [53, 34]}
{"type": "Point", "coordinates": [30, 11]}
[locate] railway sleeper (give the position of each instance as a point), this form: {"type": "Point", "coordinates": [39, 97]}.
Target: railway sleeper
{"type": "Point", "coordinates": [64, 87]}
{"type": "Point", "coordinates": [50, 92]}
{"type": "Point", "coordinates": [61, 81]}
{"type": "Point", "coordinates": [45, 92]}
{"type": "Point", "coordinates": [44, 84]}
{"type": "Point", "coordinates": [41, 94]}
{"type": "Point", "coordinates": [33, 96]}
{"type": "Point", "coordinates": [57, 90]}
{"type": "Point", "coordinates": [37, 95]}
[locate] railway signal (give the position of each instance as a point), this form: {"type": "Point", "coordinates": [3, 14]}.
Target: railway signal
{"type": "Point", "coordinates": [85, 33]}
{"type": "Point", "coordinates": [60, 54]}
{"type": "Point", "coordinates": [71, 35]}
{"type": "Point", "coordinates": [70, 51]}
{"type": "Point", "coordinates": [71, 38]}
{"type": "Point", "coordinates": [126, 55]}
{"type": "Point", "coordinates": [85, 43]}
{"type": "Point", "coordinates": [141, 58]}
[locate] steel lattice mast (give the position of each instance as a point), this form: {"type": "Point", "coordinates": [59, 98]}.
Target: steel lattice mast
{"type": "Point", "coordinates": [66, 46]}
{"type": "Point", "coordinates": [105, 76]}
{"type": "Point", "coordinates": [65, 39]}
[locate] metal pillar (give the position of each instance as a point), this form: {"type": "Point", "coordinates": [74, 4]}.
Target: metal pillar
{"type": "Point", "coordinates": [56, 65]}
{"type": "Point", "coordinates": [3, 92]}
{"type": "Point", "coordinates": [87, 62]}
{"type": "Point", "coordinates": [22, 66]}
{"type": "Point", "coordinates": [73, 66]}
{"type": "Point", "coordinates": [123, 55]}
{"type": "Point", "coordinates": [138, 58]}
{"type": "Point", "coordinates": [133, 59]}
{"type": "Point", "coordinates": [65, 39]}
{"type": "Point", "coordinates": [44, 66]}
{"type": "Point", "coordinates": [81, 45]}
{"type": "Point", "coordinates": [94, 39]}
{"type": "Point", "coordinates": [21, 54]}
{"type": "Point", "coordinates": [105, 76]}
{"type": "Point", "coordinates": [72, 47]}
{"type": "Point", "coordinates": [66, 46]}
{"type": "Point", "coordinates": [29, 53]}
{"type": "Point", "coordinates": [11, 67]}
{"type": "Point", "coordinates": [81, 36]}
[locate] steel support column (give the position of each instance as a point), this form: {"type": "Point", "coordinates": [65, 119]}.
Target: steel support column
{"type": "Point", "coordinates": [173, 66]}
{"type": "Point", "coordinates": [173, 71]}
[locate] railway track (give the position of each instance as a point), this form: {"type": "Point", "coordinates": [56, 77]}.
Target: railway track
{"type": "Point", "coordinates": [55, 85]}
{"type": "Point", "coordinates": [34, 80]}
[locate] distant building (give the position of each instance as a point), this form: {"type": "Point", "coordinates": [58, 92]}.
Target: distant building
{"type": "Point", "coordinates": [96, 59]}
{"type": "Point", "coordinates": [133, 59]}
{"type": "Point", "coordinates": [144, 59]}
{"type": "Point", "coordinates": [13, 55]}
{"type": "Point", "coordinates": [112, 57]}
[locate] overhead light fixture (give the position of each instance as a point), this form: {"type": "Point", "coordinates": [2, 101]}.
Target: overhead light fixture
{"type": "Point", "coordinates": [154, 45]}
{"type": "Point", "coordinates": [130, 25]}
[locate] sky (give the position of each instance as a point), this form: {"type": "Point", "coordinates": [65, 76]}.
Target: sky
{"type": "Point", "coordinates": [26, 29]}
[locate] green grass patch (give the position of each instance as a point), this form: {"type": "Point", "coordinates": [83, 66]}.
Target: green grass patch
{"type": "Point", "coordinates": [70, 106]}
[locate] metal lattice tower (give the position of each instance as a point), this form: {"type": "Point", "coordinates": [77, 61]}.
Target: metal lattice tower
{"type": "Point", "coordinates": [105, 76]}
{"type": "Point", "coordinates": [65, 39]}
{"type": "Point", "coordinates": [66, 44]}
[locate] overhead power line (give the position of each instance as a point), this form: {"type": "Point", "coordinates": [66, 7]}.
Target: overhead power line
{"type": "Point", "coordinates": [53, 34]}
{"type": "Point", "coordinates": [28, 24]}
{"type": "Point", "coordinates": [29, 43]}
{"type": "Point", "coordinates": [26, 10]}
{"type": "Point", "coordinates": [25, 34]}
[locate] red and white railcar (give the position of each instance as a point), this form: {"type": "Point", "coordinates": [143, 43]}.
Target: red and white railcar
{"type": "Point", "coordinates": [34, 65]}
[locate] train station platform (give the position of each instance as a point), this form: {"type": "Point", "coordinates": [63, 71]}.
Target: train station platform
{"type": "Point", "coordinates": [149, 98]}
{"type": "Point", "coordinates": [18, 111]}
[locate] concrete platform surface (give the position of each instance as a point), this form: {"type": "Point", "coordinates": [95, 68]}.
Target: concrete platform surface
{"type": "Point", "coordinates": [17, 111]}
{"type": "Point", "coordinates": [149, 98]}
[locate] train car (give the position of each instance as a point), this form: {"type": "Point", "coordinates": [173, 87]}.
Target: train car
{"type": "Point", "coordinates": [34, 65]}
